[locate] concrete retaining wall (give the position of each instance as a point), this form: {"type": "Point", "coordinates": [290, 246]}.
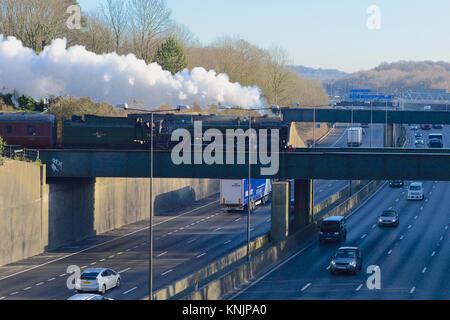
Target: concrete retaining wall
{"type": "Point", "coordinates": [38, 215]}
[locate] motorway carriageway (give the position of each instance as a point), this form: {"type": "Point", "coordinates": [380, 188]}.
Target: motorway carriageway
{"type": "Point", "coordinates": [414, 258]}
{"type": "Point", "coordinates": [185, 240]}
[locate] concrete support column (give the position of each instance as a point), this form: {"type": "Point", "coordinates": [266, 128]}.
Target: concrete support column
{"type": "Point", "coordinates": [303, 203]}
{"type": "Point", "coordinates": [389, 136]}
{"type": "Point", "coordinates": [280, 211]}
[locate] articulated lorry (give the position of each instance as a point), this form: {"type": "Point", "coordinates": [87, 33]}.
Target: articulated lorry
{"type": "Point", "coordinates": [354, 137]}
{"type": "Point", "coordinates": [234, 193]}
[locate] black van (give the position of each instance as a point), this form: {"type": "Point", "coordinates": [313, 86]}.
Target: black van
{"type": "Point", "coordinates": [332, 229]}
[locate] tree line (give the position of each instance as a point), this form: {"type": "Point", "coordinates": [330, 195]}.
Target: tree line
{"type": "Point", "coordinates": [147, 29]}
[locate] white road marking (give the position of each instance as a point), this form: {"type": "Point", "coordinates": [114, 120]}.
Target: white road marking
{"type": "Point", "coordinates": [161, 254]}
{"type": "Point", "coordinates": [51, 279]}
{"type": "Point", "coordinates": [328, 268]}
{"type": "Point", "coordinates": [359, 287]}
{"type": "Point", "coordinates": [227, 242]}
{"type": "Point", "coordinates": [1, 298]}
{"type": "Point", "coordinates": [14, 293]}
{"type": "Point", "coordinates": [124, 270]}
{"type": "Point", "coordinates": [175, 231]}
{"type": "Point", "coordinates": [390, 251]}
{"type": "Point", "coordinates": [201, 255]}
{"type": "Point", "coordinates": [421, 208]}
{"type": "Point", "coordinates": [390, 208]}
{"type": "Point", "coordinates": [93, 263]}
{"type": "Point", "coordinates": [130, 249]}
{"type": "Point", "coordinates": [424, 270]}
{"type": "Point", "coordinates": [237, 219]}
{"type": "Point", "coordinates": [63, 275]}
{"type": "Point", "coordinates": [415, 218]}
{"type": "Point", "coordinates": [135, 247]}
{"type": "Point", "coordinates": [409, 227]}
{"type": "Point", "coordinates": [373, 227]}
{"type": "Point", "coordinates": [190, 241]}
{"type": "Point", "coordinates": [442, 237]}
{"type": "Point", "coordinates": [112, 256]}
{"type": "Point", "coordinates": [102, 260]}
{"type": "Point", "coordinates": [364, 235]}
{"type": "Point", "coordinates": [401, 238]}
{"type": "Point", "coordinates": [128, 291]}
{"type": "Point", "coordinates": [217, 229]}
{"type": "Point", "coordinates": [40, 283]}
{"type": "Point", "coordinates": [306, 287]}
{"type": "Point", "coordinates": [168, 271]}
{"type": "Point", "coordinates": [119, 253]}
{"type": "Point", "coordinates": [27, 288]}
{"type": "Point", "coordinates": [434, 252]}
{"type": "Point", "coordinates": [412, 290]}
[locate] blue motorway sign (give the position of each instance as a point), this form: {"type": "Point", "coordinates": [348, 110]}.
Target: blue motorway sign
{"type": "Point", "coordinates": [370, 97]}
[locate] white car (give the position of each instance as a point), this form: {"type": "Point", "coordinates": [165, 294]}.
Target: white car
{"type": "Point", "coordinates": [97, 280]}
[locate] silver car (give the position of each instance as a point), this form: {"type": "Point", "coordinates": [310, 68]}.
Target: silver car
{"type": "Point", "coordinates": [85, 296]}
{"type": "Point", "coordinates": [346, 259]}
{"type": "Point", "coordinates": [97, 280]}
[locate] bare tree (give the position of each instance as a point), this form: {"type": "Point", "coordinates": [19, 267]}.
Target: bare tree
{"type": "Point", "coordinates": [149, 21]}
{"type": "Point", "coordinates": [279, 76]}
{"type": "Point", "coordinates": [115, 13]}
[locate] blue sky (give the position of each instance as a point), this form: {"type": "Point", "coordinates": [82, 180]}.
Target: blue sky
{"type": "Point", "coordinates": [323, 33]}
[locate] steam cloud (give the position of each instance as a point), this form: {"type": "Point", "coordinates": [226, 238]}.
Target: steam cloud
{"type": "Point", "coordinates": [59, 70]}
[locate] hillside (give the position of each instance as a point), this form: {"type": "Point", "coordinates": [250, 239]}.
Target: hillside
{"type": "Point", "coordinates": [402, 74]}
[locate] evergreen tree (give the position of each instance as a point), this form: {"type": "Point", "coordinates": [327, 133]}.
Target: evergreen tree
{"type": "Point", "coordinates": [170, 56]}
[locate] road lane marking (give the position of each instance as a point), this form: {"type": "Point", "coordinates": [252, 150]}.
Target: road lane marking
{"type": "Point", "coordinates": [14, 293]}
{"type": "Point", "coordinates": [51, 279]}
{"type": "Point", "coordinates": [201, 255]}
{"type": "Point", "coordinates": [1, 298]}
{"type": "Point", "coordinates": [434, 252]}
{"type": "Point", "coordinates": [111, 256]}
{"type": "Point", "coordinates": [63, 275]}
{"type": "Point", "coordinates": [168, 271]}
{"type": "Point", "coordinates": [409, 227]}
{"type": "Point", "coordinates": [128, 291]}
{"type": "Point", "coordinates": [373, 227]}
{"type": "Point", "coordinates": [227, 242]}
{"type": "Point", "coordinates": [39, 284]}
{"type": "Point", "coordinates": [124, 270]}
{"type": "Point", "coordinates": [119, 253]}
{"type": "Point", "coordinates": [415, 218]}
{"type": "Point", "coordinates": [130, 249]}
{"type": "Point", "coordinates": [390, 251]}
{"type": "Point", "coordinates": [328, 268]}
{"type": "Point", "coordinates": [27, 288]}
{"type": "Point", "coordinates": [237, 219]}
{"type": "Point", "coordinates": [401, 238]}
{"type": "Point", "coordinates": [161, 254]}
{"type": "Point", "coordinates": [190, 241]}
{"type": "Point", "coordinates": [102, 260]}
{"type": "Point", "coordinates": [412, 290]}
{"type": "Point", "coordinates": [424, 270]}
{"type": "Point", "coordinates": [93, 263]}
{"type": "Point", "coordinates": [306, 287]}
{"type": "Point", "coordinates": [359, 287]}
{"type": "Point", "coordinates": [217, 229]}
{"type": "Point", "coordinates": [364, 235]}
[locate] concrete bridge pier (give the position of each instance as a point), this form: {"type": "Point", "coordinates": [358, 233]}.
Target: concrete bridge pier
{"type": "Point", "coordinates": [389, 136]}
{"type": "Point", "coordinates": [303, 207]}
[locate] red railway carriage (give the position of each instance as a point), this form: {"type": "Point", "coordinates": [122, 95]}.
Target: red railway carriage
{"type": "Point", "coordinates": [29, 130]}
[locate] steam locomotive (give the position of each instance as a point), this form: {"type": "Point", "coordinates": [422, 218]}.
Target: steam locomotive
{"type": "Point", "coordinates": [131, 132]}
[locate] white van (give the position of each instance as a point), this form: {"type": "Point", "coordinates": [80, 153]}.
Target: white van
{"type": "Point", "coordinates": [415, 191]}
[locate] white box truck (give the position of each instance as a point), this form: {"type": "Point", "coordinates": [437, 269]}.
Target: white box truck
{"type": "Point", "coordinates": [354, 137]}
{"type": "Point", "coordinates": [234, 193]}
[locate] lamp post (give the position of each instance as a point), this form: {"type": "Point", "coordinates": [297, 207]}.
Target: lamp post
{"type": "Point", "coordinates": [274, 109]}
{"type": "Point", "coordinates": [150, 259]}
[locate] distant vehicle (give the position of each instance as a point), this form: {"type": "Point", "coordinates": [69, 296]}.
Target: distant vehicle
{"type": "Point", "coordinates": [435, 143]}
{"type": "Point", "coordinates": [388, 218]}
{"type": "Point", "coordinates": [234, 193]}
{"type": "Point", "coordinates": [426, 127]}
{"type": "Point", "coordinates": [438, 136]}
{"type": "Point", "coordinates": [396, 183]}
{"type": "Point", "coordinates": [419, 141]}
{"type": "Point", "coordinates": [354, 137]}
{"type": "Point", "coordinates": [414, 127]}
{"type": "Point", "coordinates": [427, 108]}
{"type": "Point", "coordinates": [415, 191]}
{"type": "Point", "coordinates": [333, 229]}
{"type": "Point", "coordinates": [85, 296]}
{"type": "Point", "coordinates": [418, 134]}
{"type": "Point", "coordinates": [438, 126]}
{"type": "Point", "coordinates": [346, 259]}
{"type": "Point", "coordinates": [97, 280]}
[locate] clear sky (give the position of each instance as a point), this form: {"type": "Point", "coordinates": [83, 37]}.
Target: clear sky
{"type": "Point", "coordinates": [323, 33]}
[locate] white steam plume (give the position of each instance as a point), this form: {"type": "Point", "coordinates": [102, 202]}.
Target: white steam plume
{"type": "Point", "coordinates": [58, 71]}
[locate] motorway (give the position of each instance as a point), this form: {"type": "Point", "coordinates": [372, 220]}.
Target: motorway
{"type": "Point", "coordinates": [413, 258]}
{"type": "Point", "coordinates": [184, 241]}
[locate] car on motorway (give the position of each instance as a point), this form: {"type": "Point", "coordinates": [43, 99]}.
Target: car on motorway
{"type": "Point", "coordinates": [414, 127]}
{"type": "Point", "coordinates": [396, 183]}
{"type": "Point", "coordinates": [388, 218]}
{"type": "Point", "coordinates": [418, 134]}
{"type": "Point", "coordinates": [437, 126]}
{"type": "Point", "coordinates": [426, 127]}
{"type": "Point", "coordinates": [415, 191]}
{"type": "Point", "coordinates": [86, 296]}
{"type": "Point", "coordinates": [332, 229]}
{"type": "Point", "coordinates": [435, 143]}
{"type": "Point", "coordinates": [346, 259]}
{"type": "Point", "coordinates": [97, 280]}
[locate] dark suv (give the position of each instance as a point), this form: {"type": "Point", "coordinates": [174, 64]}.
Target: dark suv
{"type": "Point", "coordinates": [333, 229]}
